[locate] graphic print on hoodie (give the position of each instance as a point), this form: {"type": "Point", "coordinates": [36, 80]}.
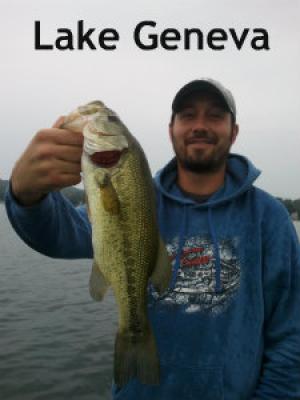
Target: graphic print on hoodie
{"type": "Point", "coordinates": [195, 284]}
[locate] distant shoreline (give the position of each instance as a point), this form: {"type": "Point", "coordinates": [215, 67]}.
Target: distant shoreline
{"type": "Point", "coordinates": [77, 197]}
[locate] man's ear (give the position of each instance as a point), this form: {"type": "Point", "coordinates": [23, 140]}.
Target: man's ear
{"type": "Point", "coordinates": [235, 132]}
{"type": "Point", "coordinates": [170, 130]}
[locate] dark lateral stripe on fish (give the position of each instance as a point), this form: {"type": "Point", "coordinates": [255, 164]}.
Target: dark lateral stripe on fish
{"type": "Point", "coordinates": [134, 323]}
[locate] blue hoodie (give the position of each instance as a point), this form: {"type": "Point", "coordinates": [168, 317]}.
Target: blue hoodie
{"type": "Point", "coordinates": [228, 328]}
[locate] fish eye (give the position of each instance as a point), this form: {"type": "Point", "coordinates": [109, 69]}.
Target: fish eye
{"type": "Point", "coordinates": [112, 118]}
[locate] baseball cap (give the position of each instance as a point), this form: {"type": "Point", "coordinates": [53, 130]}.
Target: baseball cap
{"type": "Point", "coordinates": [204, 84]}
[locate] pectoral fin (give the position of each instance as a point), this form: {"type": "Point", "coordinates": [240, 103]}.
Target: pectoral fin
{"type": "Point", "coordinates": [109, 196]}
{"type": "Point", "coordinates": [162, 273]}
{"type": "Point", "coordinates": [98, 284]}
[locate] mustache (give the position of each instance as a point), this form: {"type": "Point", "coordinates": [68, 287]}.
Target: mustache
{"type": "Point", "coordinates": [203, 135]}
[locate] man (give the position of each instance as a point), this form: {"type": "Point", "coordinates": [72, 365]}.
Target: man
{"type": "Point", "coordinates": [228, 327]}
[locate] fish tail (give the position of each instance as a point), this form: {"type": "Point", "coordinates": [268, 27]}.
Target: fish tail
{"type": "Point", "coordinates": [136, 357]}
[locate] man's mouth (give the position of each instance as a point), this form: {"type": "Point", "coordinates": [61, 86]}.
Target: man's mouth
{"type": "Point", "coordinates": [200, 140]}
{"type": "Point", "coordinates": [106, 159]}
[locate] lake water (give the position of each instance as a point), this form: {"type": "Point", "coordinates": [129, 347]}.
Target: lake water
{"type": "Point", "coordinates": [55, 342]}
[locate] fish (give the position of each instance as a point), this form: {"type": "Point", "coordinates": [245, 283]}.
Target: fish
{"type": "Point", "coordinates": [129, 253]}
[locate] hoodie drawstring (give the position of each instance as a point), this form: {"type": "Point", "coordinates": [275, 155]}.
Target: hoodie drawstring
{"type": "Point", "coordinates": [180, 247]}
{"type": "Point", "coordinates": [216, 251]}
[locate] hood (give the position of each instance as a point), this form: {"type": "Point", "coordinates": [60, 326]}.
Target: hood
{"type": "Point", "coordinates": [240, 175]}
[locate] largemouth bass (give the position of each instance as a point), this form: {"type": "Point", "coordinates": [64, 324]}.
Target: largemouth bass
{"type": "Point", "coordinates": [128, 250]}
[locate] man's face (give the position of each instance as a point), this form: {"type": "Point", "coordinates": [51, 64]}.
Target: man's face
{"type": "Point", "coordinates": [202, 133]}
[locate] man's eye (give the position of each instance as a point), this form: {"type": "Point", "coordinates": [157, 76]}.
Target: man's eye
{"type": "Point", "coordinates": [217, 114]}
{"type": "Point", "coordinates": [187, 114]}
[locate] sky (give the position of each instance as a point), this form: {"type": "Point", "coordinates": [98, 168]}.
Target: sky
{"type": "Point", "coordinates": [37, 86]}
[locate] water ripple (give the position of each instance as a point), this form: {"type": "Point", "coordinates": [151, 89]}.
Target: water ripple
{"type": "Point", "coordinates": [56, 343]}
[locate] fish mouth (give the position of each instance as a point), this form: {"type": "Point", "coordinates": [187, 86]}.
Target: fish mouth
{"type": "Point", "coordinates": [106, 159]}
{"type": "Point", "coordinates": [106, 134]}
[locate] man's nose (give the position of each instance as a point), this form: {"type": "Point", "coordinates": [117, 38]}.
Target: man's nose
{"type": "Point", "coordinates": [200, 123]}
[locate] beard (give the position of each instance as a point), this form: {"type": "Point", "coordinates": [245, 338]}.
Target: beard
{"type": "Point", "coordinates": [203, 160]}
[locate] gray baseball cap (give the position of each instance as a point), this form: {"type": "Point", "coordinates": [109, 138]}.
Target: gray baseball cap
{"type": "Point", "coordinates": [204, 84]}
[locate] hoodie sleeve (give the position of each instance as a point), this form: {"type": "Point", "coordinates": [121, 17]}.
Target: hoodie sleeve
{"type": "Point", "coordinates": [280, 373]}
{"type": "Point", "coordinates": [53, 227]}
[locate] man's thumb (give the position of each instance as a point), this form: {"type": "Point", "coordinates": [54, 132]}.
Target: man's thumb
{"type": "Point", "coordinates": [59, 122]}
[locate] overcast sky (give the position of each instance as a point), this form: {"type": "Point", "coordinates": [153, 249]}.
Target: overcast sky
{"type": "Point", "coordinates": [38, 86]}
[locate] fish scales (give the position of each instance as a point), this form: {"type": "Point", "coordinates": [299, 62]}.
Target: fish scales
{"type": "Point", "coordinates": [131, 223]}
{"type": "Point", "coordinates": [127, 247]}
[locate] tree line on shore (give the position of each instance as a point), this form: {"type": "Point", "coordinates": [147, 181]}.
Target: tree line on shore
{"type": "Point", "coordinates": [293, 207]}
{"type": "Point", "coordinates": [77, 197]}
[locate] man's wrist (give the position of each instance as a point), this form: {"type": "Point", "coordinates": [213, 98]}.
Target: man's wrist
{"type": "Point", "coordinates": [26, 199]}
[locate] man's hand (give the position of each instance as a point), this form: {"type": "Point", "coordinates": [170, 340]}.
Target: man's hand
{"type": "Point", "coordinates": [50, 162]}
